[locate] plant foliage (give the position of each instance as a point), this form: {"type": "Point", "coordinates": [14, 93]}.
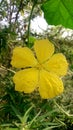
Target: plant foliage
{"type": "Point", "coordinates": [59, 12]}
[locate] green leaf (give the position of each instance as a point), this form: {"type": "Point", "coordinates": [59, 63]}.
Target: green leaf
{"type": "Point", "coordinates": [59, 12]}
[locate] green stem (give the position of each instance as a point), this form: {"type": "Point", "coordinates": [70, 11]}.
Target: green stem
{"type": "Point", "coordinates": [61, 109]}
{"type": "Point", "coordinates": [8, 69]}
{"type": "Point", "coordinates": [28, 33]}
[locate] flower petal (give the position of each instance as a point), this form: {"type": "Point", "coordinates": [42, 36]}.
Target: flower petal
{"type": "Point", "coordinates": [57, 64]}
{"type": "Point", "coordinates": [23, 57]}
{"type": "Point", "coordinates": [49, 85]}
{"type": "Point", "coordinates": [44, 49]}
{"type": "Point", "coordinates": [26, 80]}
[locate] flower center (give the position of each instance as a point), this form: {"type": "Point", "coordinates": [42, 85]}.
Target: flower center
{"type": "Point", "coordinates": [38, 66]}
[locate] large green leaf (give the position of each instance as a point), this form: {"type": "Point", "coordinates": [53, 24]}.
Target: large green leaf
{"type": "Point", "coordinates": [59, 12]}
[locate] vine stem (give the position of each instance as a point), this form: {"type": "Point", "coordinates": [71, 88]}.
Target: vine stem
{"type": "Point", "coordinates": [28, 32]}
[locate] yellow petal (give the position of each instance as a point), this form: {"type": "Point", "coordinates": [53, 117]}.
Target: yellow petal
{"type": "Point", "coordinates": [49, 85]}
{"type": "Point", "coordinates": [26, 80]}
{"type": "Point", "coordinates": [57, 64]}
{"type": "Point", "coordinates": [23, 57]}
{"type": "Point", "coordinates": [44, 49]}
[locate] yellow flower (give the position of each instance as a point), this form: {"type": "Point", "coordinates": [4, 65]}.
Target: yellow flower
{"type": "Point", "coordinates": [42, 69]}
